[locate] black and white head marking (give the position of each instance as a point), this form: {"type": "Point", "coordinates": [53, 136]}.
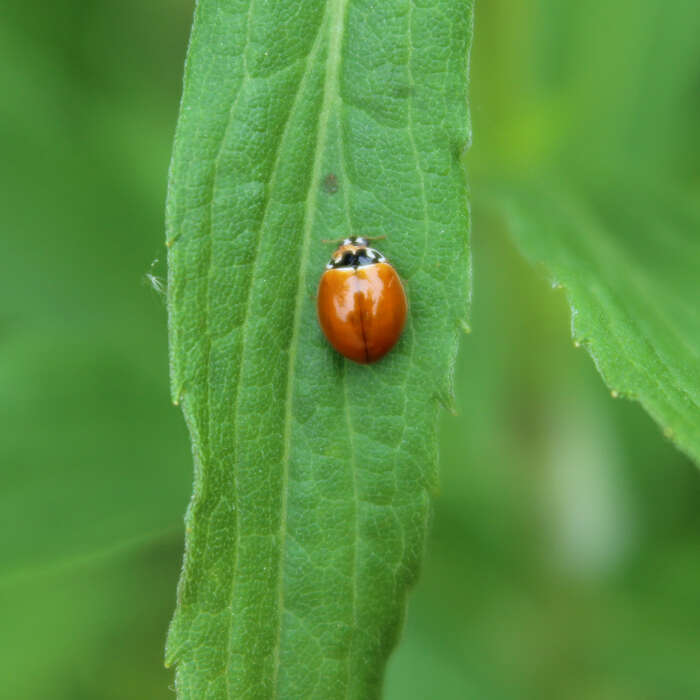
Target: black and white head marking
{"type": "Point", "coordinates": [354, 252]}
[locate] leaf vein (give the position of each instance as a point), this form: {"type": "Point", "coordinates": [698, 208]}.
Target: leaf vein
{"type": "Point", "coordinates": [335, 15]}
{"type": "Point", "coordinates": [256, 257]}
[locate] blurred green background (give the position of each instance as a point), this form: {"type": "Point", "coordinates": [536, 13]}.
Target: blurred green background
{"type": "Point", "coordinates": [564, 558]}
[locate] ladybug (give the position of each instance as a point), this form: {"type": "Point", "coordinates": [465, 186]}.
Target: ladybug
{"type": "Point", "coordinates": [361, 302]}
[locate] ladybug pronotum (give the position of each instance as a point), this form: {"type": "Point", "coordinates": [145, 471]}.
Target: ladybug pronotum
{"type": "Point", "coordinates": [361, 302]}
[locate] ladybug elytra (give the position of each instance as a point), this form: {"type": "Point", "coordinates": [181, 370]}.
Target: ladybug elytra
{"type": "Point", "coordinates": [361, 302]}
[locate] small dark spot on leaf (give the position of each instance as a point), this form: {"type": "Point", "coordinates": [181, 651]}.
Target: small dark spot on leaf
{"type": "Point", "coordinates": [330, 183]}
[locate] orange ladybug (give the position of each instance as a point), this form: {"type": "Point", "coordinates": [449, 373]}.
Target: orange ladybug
{"type": "Point", "coordinates": [361, 302]}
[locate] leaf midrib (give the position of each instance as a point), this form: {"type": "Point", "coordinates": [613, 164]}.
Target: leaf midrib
{"type": "Point", "coordinates": [335, 16]}
{"type": "Point", "coordinates": [271, 185]}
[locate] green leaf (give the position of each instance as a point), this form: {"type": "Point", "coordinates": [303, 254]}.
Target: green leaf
{"type": "Point", "coordinates": [628, 255]}
{"type": "Point", "coordinates": [304, 121]}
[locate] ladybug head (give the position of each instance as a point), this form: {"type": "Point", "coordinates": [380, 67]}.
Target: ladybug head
{"type": "Point", "coordinates": [354, 252]}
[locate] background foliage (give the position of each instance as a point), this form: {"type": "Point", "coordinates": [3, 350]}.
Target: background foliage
{"type": "Point", "coordinates": [564, 546]}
